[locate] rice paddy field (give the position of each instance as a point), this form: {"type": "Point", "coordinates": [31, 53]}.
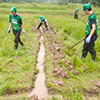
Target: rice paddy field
{"type": "Point", "coordinates": [80, 79]}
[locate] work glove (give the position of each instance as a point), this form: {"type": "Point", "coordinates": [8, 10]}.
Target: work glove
{"type": "Point", "coordinates": [87, 40]}
{"type": "Point", "coordinates": [8, 30]}
{"type": "Point", "coordinates": [24, 31]}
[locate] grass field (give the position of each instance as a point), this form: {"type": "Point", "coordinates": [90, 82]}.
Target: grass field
{"type": "Point", "coordinates": [18, 68]}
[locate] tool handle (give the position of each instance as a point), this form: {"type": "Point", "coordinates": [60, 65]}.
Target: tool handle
{"type": "Point", "coordinates": [77, 43]}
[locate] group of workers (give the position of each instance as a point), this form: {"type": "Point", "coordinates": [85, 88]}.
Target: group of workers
{"type": "Point", "coordinates": [91, 29]}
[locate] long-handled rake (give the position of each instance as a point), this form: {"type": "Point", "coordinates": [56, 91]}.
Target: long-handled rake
{"type": "Point", "coordinates": [78, 43]}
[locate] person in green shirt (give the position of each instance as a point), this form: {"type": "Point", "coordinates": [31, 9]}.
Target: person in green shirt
{"type": "Point", "coordinates": [76, 13]}
{"type": "Point", "coordinates": [16, 25]}
{"type": "Point", "coordinates": [43, 21]}
{"type": "Point", "coordinates": [91, 32]}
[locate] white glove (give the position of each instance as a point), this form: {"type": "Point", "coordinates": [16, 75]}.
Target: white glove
{"type": "Point", "coordinates": [88, 39]}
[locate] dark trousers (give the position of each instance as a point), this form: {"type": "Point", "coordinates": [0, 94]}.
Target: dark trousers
{"type": "Point", "coordinates": [41, 24]}
{"type": "Point", "coordinates": [76, 17]}
{"type": "Point", "coordinates": [17, 36]}
{"type": "Point", "coordinates": [89, 47]}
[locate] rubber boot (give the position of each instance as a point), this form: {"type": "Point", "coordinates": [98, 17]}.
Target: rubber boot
{"type": "Point", "coordinates": [16, 46]}
{"type": "Point", "coordinates": [93, 57]}
{"type": "Point", "coordinates": [84, 54]}
{"type": "Point", "coordinates": [22, 44]}
{"type": "Point", "coordinates": [47, 29]}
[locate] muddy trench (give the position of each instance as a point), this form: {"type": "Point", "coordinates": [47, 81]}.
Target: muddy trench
{"type": "Point", "coordinates": [40, 90]}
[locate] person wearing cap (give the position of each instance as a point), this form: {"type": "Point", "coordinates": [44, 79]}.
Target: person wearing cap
{"type": "Point", "coordinates": [91, 32]}
{"type": "Point", "coordinates": [76, 12]}
{"type": "Point", "coordinates": [43, 21]}
{"type": "Point", "coordinates": [16, 25]}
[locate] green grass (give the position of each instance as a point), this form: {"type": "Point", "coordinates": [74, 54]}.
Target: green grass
{"type": "Point", "coordinates": [17, 68]}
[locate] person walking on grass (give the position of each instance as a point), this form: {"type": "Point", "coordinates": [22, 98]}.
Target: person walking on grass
{"type": "Point", "coordinates": [91, 32]}
{"type": "Point", "coordinates": [43, 21]}
{"type": "Point", "coordinates": [76, 13]}
{"type": "Point", "coordinates": [16, 25]}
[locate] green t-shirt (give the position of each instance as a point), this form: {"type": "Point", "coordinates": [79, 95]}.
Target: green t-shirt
{"type": "Point", "coordinates": [76, 12]}
{"type": "Point", "coordinates": [43, 19]}
{"type": "Point", "coordinates": [88, 26]}
{"type": "Point", "coordinates": [15, 22]}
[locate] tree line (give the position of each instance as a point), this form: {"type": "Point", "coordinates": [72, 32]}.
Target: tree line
{"type": "Point", "coordinates": [63, 2]}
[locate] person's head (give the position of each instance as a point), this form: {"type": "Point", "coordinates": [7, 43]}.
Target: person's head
{"type": "Point", "coordinates": [77, 9]}
{"type": "Point", "coordinates": [13, 10]}
{"type": "Point", "coordinates": [86, 8]}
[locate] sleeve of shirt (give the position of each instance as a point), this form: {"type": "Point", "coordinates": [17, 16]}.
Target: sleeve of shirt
{"type": "Point", "coordinates": [45, 20]}
{"type": "Point", "coordinates": [92, 21]}
{"type": "Point", "coordinates": [20, 22]}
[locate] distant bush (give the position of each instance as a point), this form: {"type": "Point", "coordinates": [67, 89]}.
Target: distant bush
{"type": "Point", "coordinates": [4, 5]}
{"type": "Point", "coordinates": [63, 3]}
{"type": "Point", "coordinates": [66, 2]}
{"type": "Point", "coordinates": [34, 4]}
{"type": "Point", "coordinates": [23, 2]}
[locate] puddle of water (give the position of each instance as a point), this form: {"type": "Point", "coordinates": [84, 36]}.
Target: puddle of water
{"type": "Point", "coordinates": [41, 30]}
{"type": "Point", "coordinates": [40, 89]}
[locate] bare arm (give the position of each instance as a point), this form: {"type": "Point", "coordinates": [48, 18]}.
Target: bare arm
{"type": "Point", "coordinates": [88, 39]}
{"type": "Point", "coordinates": [97, 22]}
{"type": "Point", "coordinates": [93, 29]}
{"type": "Point", "coordinates": [22, 26]}
{"type": "Point", "coordinates": [9, 28]}
{"type": "Point", "coordinates": [23, 29]}
{"type": "Point", "coordinates": [9, 25]}
{"type": "Point", "coordinates": [46, 22]}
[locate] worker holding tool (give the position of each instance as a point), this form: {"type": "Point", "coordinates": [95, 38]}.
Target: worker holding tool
{"type": "Point", "coordinates": [43, 21]}
{"type": "Point", "coordinates": [91, 32]}
{"type": "Point", "coordinates": [16, 25]}
{"type": "Point", "coordinates": [76, 12]}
